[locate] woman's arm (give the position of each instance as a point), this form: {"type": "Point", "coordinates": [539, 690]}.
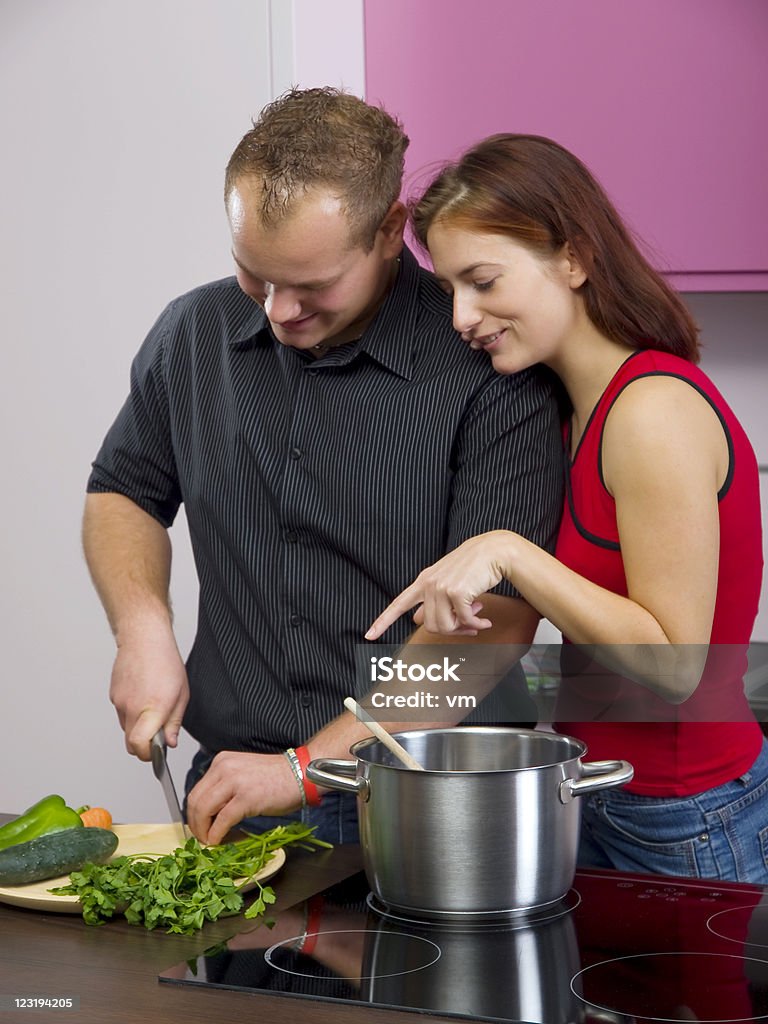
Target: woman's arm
{"type": "Point", "coordinates": [664, 458]}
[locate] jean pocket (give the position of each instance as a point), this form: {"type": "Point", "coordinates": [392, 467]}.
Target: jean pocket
{"type": "Point", "coordinates": [736, 802]}
{"type": "Point", "coordinates": [744, 826]}
{"type": "Point", "coordinates": [667, 838]}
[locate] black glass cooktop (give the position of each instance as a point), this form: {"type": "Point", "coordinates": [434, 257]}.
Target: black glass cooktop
{"type": "Point", "coordinates": [618, 949]}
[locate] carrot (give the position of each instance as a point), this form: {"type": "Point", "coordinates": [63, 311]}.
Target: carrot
{"type": "Point", "coordinates": [96, 817]}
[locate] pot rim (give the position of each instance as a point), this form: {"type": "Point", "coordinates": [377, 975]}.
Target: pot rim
{"type": "Point", "coordinates": [580, 750]}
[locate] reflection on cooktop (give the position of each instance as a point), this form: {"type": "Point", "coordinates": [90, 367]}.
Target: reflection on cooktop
{"type": "Point", "coordinates": [625, 950]}
{"type": "Point", "coordinates": [414, 954]}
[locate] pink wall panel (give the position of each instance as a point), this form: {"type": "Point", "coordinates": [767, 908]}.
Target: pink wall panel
{"type": "Point", "coordinates": [664, 100]}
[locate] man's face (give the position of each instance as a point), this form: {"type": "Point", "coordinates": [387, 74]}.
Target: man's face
{"type": "Point", "coordinates": [314, 284]}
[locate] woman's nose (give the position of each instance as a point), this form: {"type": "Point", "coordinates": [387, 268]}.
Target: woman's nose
{"type": "Point", "coordinates": [465, 314]}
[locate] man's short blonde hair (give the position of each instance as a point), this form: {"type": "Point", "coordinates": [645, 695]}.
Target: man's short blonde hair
{"type": "Point", "coordinates": [324, 138]}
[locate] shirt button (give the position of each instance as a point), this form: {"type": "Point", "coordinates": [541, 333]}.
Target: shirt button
{"type": "Point", "coordinates": [306, 700]}
{"type": "Point", "coordinates": [295, 620]}
{"type": "Point", "coordinates": [291, 536]}
{"type": "Point", "coordinates": [295, 453]}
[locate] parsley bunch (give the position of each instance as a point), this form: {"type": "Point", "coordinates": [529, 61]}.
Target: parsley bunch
{"type": "Point", "coordinates": [182, 890]}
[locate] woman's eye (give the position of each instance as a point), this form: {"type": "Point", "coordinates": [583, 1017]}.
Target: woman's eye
{"type": "Point", "coordinates": [483, 286]}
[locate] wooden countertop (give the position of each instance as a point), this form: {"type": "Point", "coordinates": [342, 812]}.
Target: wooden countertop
{"type": "Point", "coordinates": [113, 969]}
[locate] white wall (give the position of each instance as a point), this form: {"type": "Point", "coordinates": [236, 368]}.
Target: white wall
{"type": "Point", "coordinates": [117, 120]}
{"type": "Point", "coordinates": [317, 43]}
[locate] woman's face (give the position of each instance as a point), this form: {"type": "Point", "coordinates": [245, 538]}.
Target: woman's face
{"type": "Point", "coordinates": [507, 301]}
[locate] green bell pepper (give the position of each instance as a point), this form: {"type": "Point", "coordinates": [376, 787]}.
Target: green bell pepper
{"type": "Point", "coordinates": [50, 814]}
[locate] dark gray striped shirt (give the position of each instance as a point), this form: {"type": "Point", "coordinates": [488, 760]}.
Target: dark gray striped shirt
{"type": "Point", "coordinates": [316, 490]}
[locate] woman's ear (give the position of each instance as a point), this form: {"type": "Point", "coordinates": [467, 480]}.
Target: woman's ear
{"type": "Point", "coordinates": [574, 266]}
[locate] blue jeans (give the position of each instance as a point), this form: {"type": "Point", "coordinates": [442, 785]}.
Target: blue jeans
{"type": "Point", "coordinates": [721, 833]}
{"type": "Point", "coordinates": [335, 820]}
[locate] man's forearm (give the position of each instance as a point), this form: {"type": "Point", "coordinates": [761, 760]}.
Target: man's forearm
{"type": "Point", "coordinates": [129, 558]}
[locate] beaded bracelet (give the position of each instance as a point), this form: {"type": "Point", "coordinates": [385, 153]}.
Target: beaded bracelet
{"type": "Point", "coordinates": [298, 774]}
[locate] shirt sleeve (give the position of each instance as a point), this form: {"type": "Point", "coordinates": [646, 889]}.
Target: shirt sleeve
{"type": "Point", "coordinates": [508, 464]}
{"type": "Point", "coordinates": [136, 457]}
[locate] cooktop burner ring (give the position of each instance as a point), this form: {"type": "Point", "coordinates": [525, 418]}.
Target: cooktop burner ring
{"type": "Point", "coordinates": [625, 1006]}
{"type": "Point", "coordinates": [427, 951]}
{"type": "Point", "coordinates": [506, 920]}
{"type": "Point", "coordinates": [741, 918]}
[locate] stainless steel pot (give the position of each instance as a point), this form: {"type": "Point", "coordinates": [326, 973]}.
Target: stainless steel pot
{"type": "Point", "coordinates": [491, 827]}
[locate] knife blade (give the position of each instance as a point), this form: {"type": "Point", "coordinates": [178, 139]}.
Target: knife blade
{"type": "Point", "coordinates": [159, 752]}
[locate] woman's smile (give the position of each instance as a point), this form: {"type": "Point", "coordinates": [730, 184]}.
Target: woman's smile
{"type": "Point", "coordinates": [518, 306]}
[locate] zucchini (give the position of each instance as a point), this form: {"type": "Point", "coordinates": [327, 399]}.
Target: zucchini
{"type": "Point", "coordinates": [55, 854]}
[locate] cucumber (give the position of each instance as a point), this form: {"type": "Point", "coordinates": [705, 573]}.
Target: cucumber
{"type": "Point", "coordinates": [55, 854]}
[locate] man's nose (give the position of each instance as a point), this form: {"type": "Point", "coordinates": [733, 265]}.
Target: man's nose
{"type": "Point", "coordinates": [282, 305]}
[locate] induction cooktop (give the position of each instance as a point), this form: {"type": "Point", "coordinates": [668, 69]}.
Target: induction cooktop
{"type": "Point", "coordinates": [618, 949]}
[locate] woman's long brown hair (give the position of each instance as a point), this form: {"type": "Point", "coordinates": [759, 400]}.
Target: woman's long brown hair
{"type": "Point", "coordinates": [532, 189]}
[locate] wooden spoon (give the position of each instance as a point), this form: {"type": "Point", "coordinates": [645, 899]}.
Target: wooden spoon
{"type": "Point", "coordinates": [381, 734]}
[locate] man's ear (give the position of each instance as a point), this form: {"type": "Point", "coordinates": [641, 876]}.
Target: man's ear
{"type": "Point", "coordinates": [391, 229]}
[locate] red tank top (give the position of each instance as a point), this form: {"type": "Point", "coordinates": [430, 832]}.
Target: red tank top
{"type": "Point", "coordinates": [674, 758]}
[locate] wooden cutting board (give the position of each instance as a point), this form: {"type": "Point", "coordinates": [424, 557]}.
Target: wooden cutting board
{"type": "Point", "coordinates": [153, 839]}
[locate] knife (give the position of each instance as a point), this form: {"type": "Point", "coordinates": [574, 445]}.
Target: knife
{"type": "Point", "coordinates": [159, 753]}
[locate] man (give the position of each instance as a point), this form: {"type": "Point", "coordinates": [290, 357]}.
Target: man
{"type": "Point", "coordinates": [329, 436]}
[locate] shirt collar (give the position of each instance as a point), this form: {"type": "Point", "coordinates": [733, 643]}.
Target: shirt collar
{"type": "Point", "coordinates": [387, 340]}
{"type": "Point", "coordinates": [254, 328]}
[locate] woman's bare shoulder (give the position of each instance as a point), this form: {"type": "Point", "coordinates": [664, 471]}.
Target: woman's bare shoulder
{"type": "Point", "coordinates": [663, 423]}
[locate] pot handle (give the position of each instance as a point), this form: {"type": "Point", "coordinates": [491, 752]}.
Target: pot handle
{"type": "Point", "coordinates": [596, 775]}
{"type": "Point", "coordinates": [320, 771]}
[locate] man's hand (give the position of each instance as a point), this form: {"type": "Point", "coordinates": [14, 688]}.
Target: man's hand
{"type": "Point", "coordinates": [149, 690]}
{"type": "Point", "coordinates": [240, 785]}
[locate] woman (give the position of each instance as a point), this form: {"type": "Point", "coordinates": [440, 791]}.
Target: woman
{"type": "Point", "coordinates": [659, 560]}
